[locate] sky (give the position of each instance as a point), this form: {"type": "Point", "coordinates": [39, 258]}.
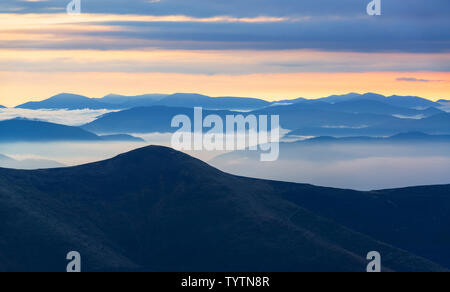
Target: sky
{"type": "Point", "coordinates": [271, 49]}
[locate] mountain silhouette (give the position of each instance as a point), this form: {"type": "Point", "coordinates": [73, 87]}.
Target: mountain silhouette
{"type": "Point", "coordinates": [438, 124]}
{"type": "Point", "coordinates": [8, 162]}
{"type": "Point", "coordinates": [290, 101]}
{"type": "Point", "coordinates": [416, 137]}
{"type": "Point", "coordinates": [156, 209]}
{"type": "Point", "coordinates": [395, 100]}
{"type": "Point", "coordinates": [126, 102]}
{"type": "Point", "coordinates": [340, 98]}
{"type": "Point", "coordinates": [362, 106]}
{"type": "Point", "coordinates": [411, 101]}
{"type": "Point", "coordinates": [68, 101]}
{"type": "Point", "coordinates": [23, 130]}
{"type": "Point", "coordinates": [121, 137]}
{"type": "Point", "coordinates": [306, 119]}
{"type": "Point", "coordinates": [18, 130]}
{"type": "Point", "coordinates": [320, 114]}
{"type": "Point", "coordinates": [114, 102]}
{"type": "Point", "coordinates": [191, 100]}
{"type": "Point", "coordinates": [347, 115]}
{"type": "Point", "coordinates": [144, 120]}
{"type": "Point", "coordinates": [158, 118]}
{"type": "Point", "coordinates": [378, 107]}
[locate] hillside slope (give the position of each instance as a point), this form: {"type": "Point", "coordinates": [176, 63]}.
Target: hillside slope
{"type": "Point", "coordinates": [157, 209]}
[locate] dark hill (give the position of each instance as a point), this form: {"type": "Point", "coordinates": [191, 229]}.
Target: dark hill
{"type": "Point", "coordinates": [157, 209]}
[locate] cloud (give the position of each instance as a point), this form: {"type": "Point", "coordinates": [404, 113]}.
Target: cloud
{"type": "Point", "coordinates": [118, 32]}
{"type": "Point", "coordinates": [240, 24]}
{"type": "Point", "coordinates": [217, 62]}
{"type": "Point", "coordinates": [362, 167]}
{"type": "Point", "coordinates": [65, 117]}
{"type": "Point", "coordinates": [67, 153]}
{"type": "Point", "coordinates": [245, 8]}
{"type": "Point", "coordinates": [417, 80]}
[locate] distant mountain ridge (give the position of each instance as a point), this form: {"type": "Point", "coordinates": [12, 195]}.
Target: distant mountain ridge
{"type": "Point", "coordinates": [329, 149]}
{"type": "Point", "coordinates": [144, 120]}
{"type": "Point", "coordinates": [16, 130]}
{"type": "Point", "coordinates": [434, 125]}
{"type": "Point", "coordinates": [156, 209]}
{"type": "Point", "coordinates": [394, 100]}
{"type": "Point", "coordinates": [216, 103]}
{"type": "Point", "coordinates": [114, 101]}
{"type": "Point", "coordinates": [124, 102]}
{"type": "Point", "coordinates": [344, 115]}
{"type": "Point", "coordinates": [68, 101]}
{"type": "Point", "coordinates": [23, 130]}
{"type": "Point", "coordinates": [8, 162]}
{"type": "Point", "coordinates": [359, 106]}
{"type": "Point", "coordinates": [415, 137]}
{"type": "Point", "coordinates": [307, 119]}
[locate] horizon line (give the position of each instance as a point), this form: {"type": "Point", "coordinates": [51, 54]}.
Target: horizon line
{"type": "Point", "coordinates": [223, 96]}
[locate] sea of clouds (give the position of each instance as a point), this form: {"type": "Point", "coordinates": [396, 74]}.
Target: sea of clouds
{"type": "Point", "coordinates": [362, 167]}
{"type": "Point", "coordinates": [64, 117]}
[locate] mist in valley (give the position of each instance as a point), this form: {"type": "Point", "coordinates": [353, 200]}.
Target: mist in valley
{"type": "Point", "coordinates": [354, 166]}
{"type": "Point", "coordinates": [361, 167]}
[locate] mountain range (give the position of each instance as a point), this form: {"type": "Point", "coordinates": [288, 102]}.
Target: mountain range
{"type": "Point", "coordinates": [306, 120]}
{"type": "Point", "coordinates": [8, 162]}
{"type": "Point", "coordinates": [344, 115]}
{"type": "Point", "coordinates": [145, 120]}
{"type": "Point", "coordinates": [367, 106]}
{"type": "Point", "coordinates": [124, 101]}
{"type": "Point", "coordinates": [327, 149]}
{"type": "Point", "coordinates": [394, 100]}
{"type": "Point", "coordinates": [414, 137]}
{"type": "Point", "coordinates": [23, 130]}
{"type": "Point", "coordinates": [114, 102]}
{"type": "Point", "coordinates": [156, 209]}
{"type": "Point", "coordinates": [189, 100]}
{"type": "Point", "coordinates": [69, 102]}
{"type": "Point", "coordinates": [215, 103]}
{"type": "Point", "coordinates": [438, 124]}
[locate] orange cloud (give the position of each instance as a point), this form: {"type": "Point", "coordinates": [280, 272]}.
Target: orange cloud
{"type": "Point", "coordinates": [37, 74]}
